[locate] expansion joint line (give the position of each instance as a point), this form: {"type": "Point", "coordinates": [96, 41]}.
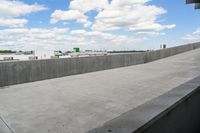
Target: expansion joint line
{"type": "Point", "coordinates": [9, 128]}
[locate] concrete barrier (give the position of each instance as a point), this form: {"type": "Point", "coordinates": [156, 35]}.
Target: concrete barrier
{"type": "Point", "coordinates": [176, 111]}
{"type": "Point", "coordinates": [16, 72]}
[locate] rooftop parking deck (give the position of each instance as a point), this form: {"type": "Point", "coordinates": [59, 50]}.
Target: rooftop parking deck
{"type": "Point", "coordinates": [79, 103]}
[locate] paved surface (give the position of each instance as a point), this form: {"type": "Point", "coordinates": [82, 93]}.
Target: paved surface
{"type": "Point", "coordinates": [76, 104]}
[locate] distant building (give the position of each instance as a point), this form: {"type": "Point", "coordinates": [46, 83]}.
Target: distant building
{"type": "Point", "coordinates": [163, 46]}
{"type": "Point", "coordinates": [29, 52]}
{"type": "Point", "coordinates": [76, 50]}
{"type": "Point", "coordinates": [32, 57]}
{"type": "Point", "coordinates": [58, 53]}
{"type": "Point", "coordinates": [8, 58]}
{"type": "Point", "coordinates": [54, 57]}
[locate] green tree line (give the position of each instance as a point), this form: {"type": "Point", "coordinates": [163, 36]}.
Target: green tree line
{"type": "Point", "coordinates": [7, 51]}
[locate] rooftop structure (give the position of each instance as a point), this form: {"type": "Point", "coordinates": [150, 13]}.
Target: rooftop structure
{"type": "Point", "coordinates": [196, 2]}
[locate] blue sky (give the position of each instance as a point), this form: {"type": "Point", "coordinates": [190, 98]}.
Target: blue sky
{"type": "Point", "coordinates": [96, 24]}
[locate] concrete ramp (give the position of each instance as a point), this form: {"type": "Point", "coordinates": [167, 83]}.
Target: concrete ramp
{"type": "Point", "coordinates": [81, 103]}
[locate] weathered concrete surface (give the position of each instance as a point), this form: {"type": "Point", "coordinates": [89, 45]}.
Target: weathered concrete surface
{"type": "Point", "coordinates": [176, 111]}
{"type": "Point", "coordinates": [28, 71]}
{"type": "Point", "coordinates": [79, 103]}
{"type": "Point", "coordinates": [3, 127]}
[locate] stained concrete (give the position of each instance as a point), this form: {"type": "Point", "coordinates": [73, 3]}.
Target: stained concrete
{"type": "Point", "coordinates": [79, 103]}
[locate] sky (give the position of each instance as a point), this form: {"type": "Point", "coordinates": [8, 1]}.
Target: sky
{"type": "Point", "coordinates": [47, 25]}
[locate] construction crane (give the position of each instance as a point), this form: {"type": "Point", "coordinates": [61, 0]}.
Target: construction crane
{"type": "Point", "coordinates": [196, 2]}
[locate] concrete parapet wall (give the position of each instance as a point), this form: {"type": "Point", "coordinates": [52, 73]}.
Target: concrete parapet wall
{"type": "Point", "coordinates": [176, 111]}
{"type": "Point", "coordinates": [27, 71]}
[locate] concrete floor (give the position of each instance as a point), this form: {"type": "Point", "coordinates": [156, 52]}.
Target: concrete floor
{"type": "Point", "coordinates": [76, 104]}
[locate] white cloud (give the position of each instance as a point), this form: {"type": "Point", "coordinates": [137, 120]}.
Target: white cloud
{"type": "Point", "coordinates": [60, 38]}
{"type": "Point", "coordinates": [131, 15]}
{"type": "Point", "coordinates": [35, 38]}
{"type": "Point", "coordinates": [69, 15]}
{"type": "Point", "coordinates": [12, 10]}
{"type": "Point", "coordinates": [13, 22]}
{"type": "Point", "coordinates": [96, 35]}
{"type": "Point", "coordinates": [195, 36]}
{"type": "Point", "coordinates": [88, 5]}
{"type": "Point", "coordinates": [77, 12]}
{"type": "Point", "coordinates": [150, 33]}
